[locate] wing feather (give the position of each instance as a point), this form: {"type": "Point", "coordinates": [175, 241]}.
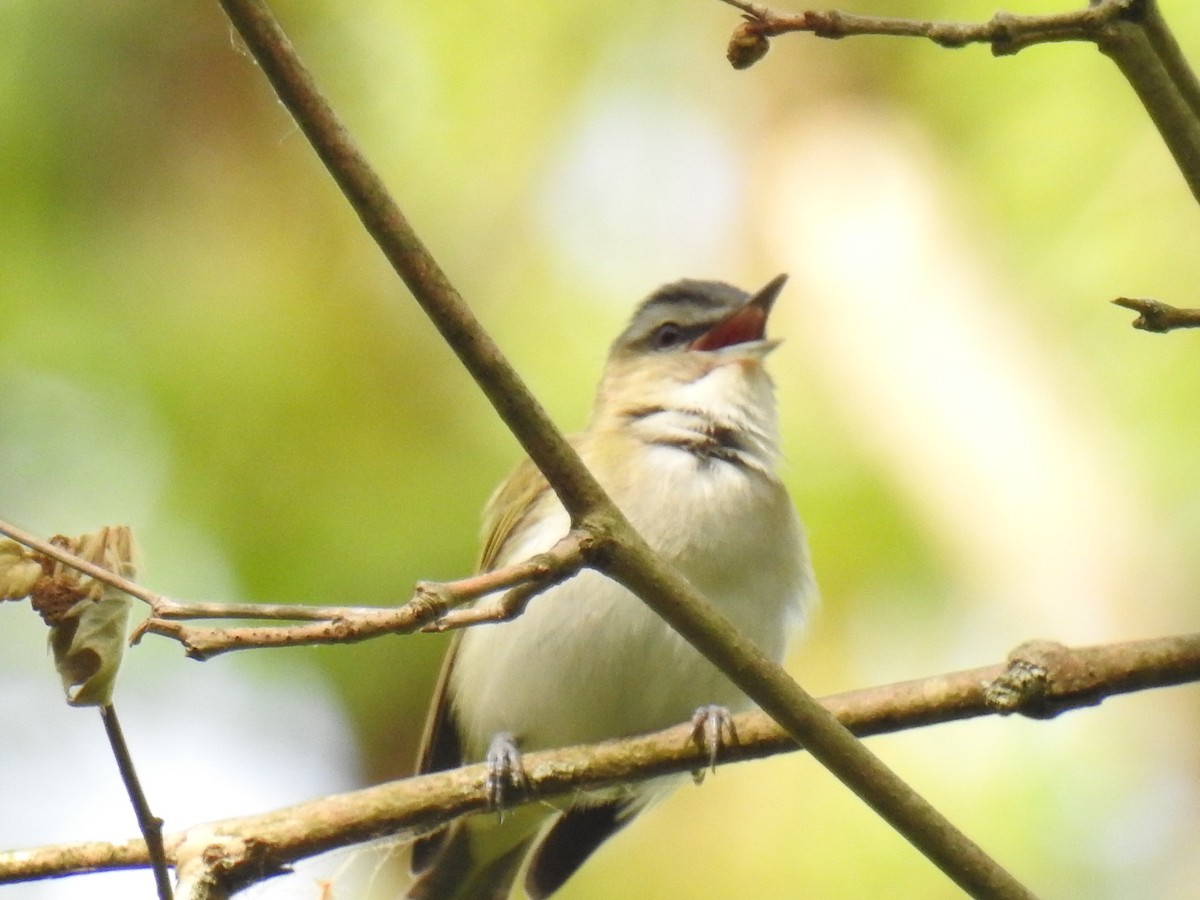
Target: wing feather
{"type": "Point", "coordinates": [508, 510]}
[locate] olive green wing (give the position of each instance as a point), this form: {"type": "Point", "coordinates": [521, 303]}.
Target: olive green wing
{"type": "Point", "coordinates": [441, 742]}
{"type": "Point", "coordinates": [508, 509]}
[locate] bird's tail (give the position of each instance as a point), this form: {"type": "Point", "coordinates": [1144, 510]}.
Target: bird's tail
{"type": "Point", "coordinates": [476, 858]}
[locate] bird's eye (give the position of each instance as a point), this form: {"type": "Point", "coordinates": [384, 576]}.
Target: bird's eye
{"type": "Point", "coordinates": [666, 336]}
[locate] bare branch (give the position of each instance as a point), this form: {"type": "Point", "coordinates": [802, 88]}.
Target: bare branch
{"type": "Point", "coordinates": [1005, 32]}
{"type": "Point", "coordinates": [620, 550]}
{"type": "Point", "coordinates": [431, 608]}
{"type": "Point", "coordinates": [1157, 316]}
{"type": "Point", "coordinates": [1149, 57]}
{"type": "Point", "coordinates": [508, 606]}
{"type": "Point", "coordinates": [390, 229]}
{"type": "Point", "coordinates": [61, 554]}
{"type": "Point", "coordinates": [150, 824]}
{"type": "Point", "coordinates": [1141, 50]}
{"type": "Point", "coordinates": [1039, 680]}
{"type": "Point", "coordinates": [1132, 33]}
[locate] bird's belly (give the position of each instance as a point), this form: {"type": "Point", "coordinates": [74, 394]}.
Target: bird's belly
{"type": "Point", "coordinates": [588, 660]}
{"type": "Point", "coordinates": [585, 662]}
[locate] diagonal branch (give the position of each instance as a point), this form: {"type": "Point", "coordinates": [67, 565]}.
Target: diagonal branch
{"type": "Point", "coordinates": [1040, 679]}
{"type": "Point", "coordinates": [620, 551]}
{"type": "Point", "coordinates": [150, 824]}
{"type": "Point", "coordinates": [1148, 56]}
{"type": "Point", "coordinates": [390, 229]}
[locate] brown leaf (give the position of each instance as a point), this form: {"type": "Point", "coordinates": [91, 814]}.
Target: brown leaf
{"type": "Point", "coordinates": [88, 639]}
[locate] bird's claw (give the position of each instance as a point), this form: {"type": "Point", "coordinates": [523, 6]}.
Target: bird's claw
{"type": "Point", "coordinates": [505, 770]}
{"type": "Point", "coordinates": [710, 726]}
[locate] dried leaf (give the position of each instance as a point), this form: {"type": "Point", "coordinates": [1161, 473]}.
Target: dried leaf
{"type": "Point", "coordinates": [88, 646]}
{"type": "Point", "coordinates": [19, 571]}
{"type": "Point", "coordinates": [88, 639]}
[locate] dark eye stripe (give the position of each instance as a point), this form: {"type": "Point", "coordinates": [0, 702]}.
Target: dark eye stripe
{"type": "Point", "coordinates": [668, 334]}
{"type": "Point", "coordinates": [694, 306]}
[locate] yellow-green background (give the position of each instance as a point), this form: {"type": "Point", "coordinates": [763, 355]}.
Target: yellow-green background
{"type": "Point", "coordinates": [197, 339]}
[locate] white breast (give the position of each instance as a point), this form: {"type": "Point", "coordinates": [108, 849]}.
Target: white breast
{"type": "Point", "coordinates": [587, 660]}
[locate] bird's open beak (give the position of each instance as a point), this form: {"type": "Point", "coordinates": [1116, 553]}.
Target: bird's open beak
{"type": "Point", "coordinates": [749, 323]}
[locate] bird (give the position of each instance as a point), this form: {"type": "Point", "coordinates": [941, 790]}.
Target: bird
{"type": "Point", "coordinates": [683, 436]}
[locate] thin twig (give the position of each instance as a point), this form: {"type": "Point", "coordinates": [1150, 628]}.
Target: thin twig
{"type": "Point", "coordinates": [505, 608]}
{"type": "Point", "coordinates": [150, 824]}
{"type": "Point", "coordinates": [67, 558]}
{"type": "Point", "coordinates": [1039, 679]}
{"type": "Point", "coordinates": [430, 608]}
{"type": "Point", "coordinates": [1133, 33]}
{"type": "Point", "coordinates": [1159, 317]}
{"type": "Point", "coordinates": [1007, 33]}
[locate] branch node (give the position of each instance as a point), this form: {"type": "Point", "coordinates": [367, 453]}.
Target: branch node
{"type": "Point", "coordinates": [827, 23]}
{"type": "Point", "coordinates": [509, 605]}
{"type": "Point", "coordinates": [429, 601]}
{"type": "Point", "coordinates": [1020, 689]}
{"type": "Point", "coordinates": [1004, 42]}
{"type": "Point", "coordinates": [1043, 679]}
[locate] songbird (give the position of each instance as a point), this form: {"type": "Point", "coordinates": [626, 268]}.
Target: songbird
{"type": "Point", "coordinates": [683, 437]}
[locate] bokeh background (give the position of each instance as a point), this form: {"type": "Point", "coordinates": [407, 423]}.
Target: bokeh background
{"type": "Point", "coordinates": [198, 340]}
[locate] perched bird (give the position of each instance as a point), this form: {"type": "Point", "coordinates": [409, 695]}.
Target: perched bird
{"type": "Point", "coordinates": [683, 437]}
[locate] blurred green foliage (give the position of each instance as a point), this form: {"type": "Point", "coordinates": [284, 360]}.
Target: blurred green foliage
{"type": "Point", "coordinates": [193, 319]}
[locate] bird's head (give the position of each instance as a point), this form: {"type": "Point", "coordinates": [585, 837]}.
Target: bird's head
{"type": "Point", "coordinates": [690, 344]}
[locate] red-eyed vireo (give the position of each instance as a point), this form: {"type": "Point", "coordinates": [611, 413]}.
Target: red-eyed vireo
{"type": "Point", "coordinates": [683, 437]}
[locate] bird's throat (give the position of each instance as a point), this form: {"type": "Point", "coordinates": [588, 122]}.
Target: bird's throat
{"type": "Point", "coordinates": [707, 439]}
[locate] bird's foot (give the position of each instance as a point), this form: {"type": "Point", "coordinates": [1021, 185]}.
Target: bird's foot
{"type": "Point", "coordinates": [505, 771]}
{"type": "Point", "coordinates": [710, 726]}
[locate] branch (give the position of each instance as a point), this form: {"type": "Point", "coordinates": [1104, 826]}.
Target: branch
{"type": "Point", "coordinates": [1007, 33]}
{"type": "Point", "coordinates": [412, 261]}
{"type": "Point", "coordinates": [431, 608]}
{"type": "Point", "coordinates": [1157, 316]}
{"type": "Point", "coordinates": [94, 571]}
{"type": "Point", "coordinates": [629, 559]}
{"type": "Point", "coordinates": [1040, 679]}
{"type": "Point", "coordinates": [1132, 33]}
{"type": "Point", "coordinates": [1148, 56]}
{"type": "Point", "coordinates": [150, 824]}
